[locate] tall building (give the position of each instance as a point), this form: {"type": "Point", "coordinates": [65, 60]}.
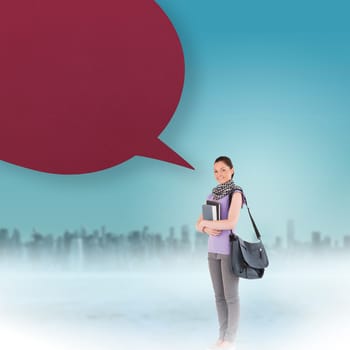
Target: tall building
{"type": "Point", "coordinates": [316, 239]}
{"type": "Point", "coordinates": [346, 242]}
{"type": "Point", "coordinates": [290, 234]}
{"type": "Point", "coordinates": [327, 242]}
{"type": "Point", "coordinates": [185, 239]}
{"type": "Point", "coordinates": [278, 243]}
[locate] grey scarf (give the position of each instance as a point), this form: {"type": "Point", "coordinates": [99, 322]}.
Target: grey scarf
{"type": "Point", "coordinates": [223, 190]}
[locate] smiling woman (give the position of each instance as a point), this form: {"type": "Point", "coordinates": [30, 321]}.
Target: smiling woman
{"type": "Point", "coordinates": [225, 283]}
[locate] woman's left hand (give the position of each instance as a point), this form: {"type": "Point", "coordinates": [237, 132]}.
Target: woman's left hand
{"type": "Point", "coordinates": [202, 224]}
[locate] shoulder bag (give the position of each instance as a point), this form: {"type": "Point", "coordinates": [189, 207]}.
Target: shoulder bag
{"type": "Point", "coordinates": [248, 259]}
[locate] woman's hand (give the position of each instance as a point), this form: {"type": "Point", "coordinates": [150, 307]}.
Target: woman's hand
{"type": "Point", "coordinates": [212, 231]}
{"type": "Point", "coordinates": [202, 225]}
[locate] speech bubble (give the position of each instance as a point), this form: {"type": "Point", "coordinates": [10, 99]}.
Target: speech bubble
{"type": "Point", "coordinates": [86, 84]}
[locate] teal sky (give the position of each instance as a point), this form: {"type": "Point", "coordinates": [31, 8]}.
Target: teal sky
{"type": "Point", "coordinates": [266, 84]}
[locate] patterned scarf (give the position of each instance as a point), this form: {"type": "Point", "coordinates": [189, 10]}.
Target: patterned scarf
{"type": "Point", "coordinates": [223, 190]}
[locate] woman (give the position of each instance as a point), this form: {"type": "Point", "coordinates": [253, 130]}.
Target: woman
{"type": "Point", "coordinates": [225, 283]}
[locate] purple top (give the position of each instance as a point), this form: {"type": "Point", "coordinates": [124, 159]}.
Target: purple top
{"type": "Point", "coordinates": [220, 244]}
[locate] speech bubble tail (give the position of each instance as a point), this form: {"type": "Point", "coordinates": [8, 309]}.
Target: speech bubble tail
{"type": "Point", "coordinates": [157, 149]}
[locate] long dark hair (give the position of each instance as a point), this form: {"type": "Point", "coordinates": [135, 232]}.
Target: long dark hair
{"type": "Point", "coordinates": [227, 161]}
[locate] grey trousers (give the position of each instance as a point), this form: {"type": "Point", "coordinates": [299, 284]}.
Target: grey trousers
{"type": "Point", "coordinates": [225, 285]}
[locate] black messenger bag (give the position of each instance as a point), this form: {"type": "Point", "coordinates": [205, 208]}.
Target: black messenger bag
{"type": "Point", "coordinates": [248, 260]}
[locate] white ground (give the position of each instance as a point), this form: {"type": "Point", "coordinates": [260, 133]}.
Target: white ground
{"type": "Point", "coordinates": [299, 304]}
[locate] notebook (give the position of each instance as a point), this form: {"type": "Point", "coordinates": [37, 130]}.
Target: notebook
{"type": "Point", "coordinates": [211, 210]}
{"type": "Point", "coordinates": [218, 208]}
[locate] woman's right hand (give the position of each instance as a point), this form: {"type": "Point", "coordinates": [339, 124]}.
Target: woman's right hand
{"type": "Point", "coordinates": [212, 232]}
{"type": "Point", "coordinates": [208, 231]}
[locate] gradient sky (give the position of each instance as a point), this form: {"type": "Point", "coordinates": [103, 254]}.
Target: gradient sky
{"type": "Point", "coordinates": [267, 84]}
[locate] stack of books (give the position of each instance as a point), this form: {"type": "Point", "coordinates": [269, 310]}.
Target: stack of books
{"type": "Point", "coordinates": [211, 210]}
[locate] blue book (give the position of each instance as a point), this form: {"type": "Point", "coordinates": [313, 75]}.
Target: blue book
{"type": "Point", "coordinates": [211, 211]}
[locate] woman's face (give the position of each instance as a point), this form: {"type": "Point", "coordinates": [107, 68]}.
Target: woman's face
{"type": "Point", "coordinates": [222, 172]}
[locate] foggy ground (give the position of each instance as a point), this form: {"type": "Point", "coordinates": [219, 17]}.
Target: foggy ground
{"type": "Point", "coordinates": [300, 303]}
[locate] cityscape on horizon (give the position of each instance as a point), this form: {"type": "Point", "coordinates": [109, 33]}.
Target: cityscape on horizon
{"type": "Point", "coordinates": [82, 249]}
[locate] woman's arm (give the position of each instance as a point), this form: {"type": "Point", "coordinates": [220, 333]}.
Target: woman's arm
{"type": "Point", "coordinates": [198, 222]}
{"type": "Point", "coordinates": [232, 219]}
{"type": "Point", "coordinates": [204, 229]}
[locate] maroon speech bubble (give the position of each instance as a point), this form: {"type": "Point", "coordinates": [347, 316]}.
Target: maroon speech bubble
{"type": "Point", "coordinates": [86, 84]}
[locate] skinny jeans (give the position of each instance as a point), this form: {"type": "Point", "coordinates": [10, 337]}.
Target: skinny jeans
{"type": "Point", "coordinates": [225, 285]}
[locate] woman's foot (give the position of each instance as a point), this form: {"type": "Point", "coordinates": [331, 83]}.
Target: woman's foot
{"type": "Point", "coordinates": [227, 345]}
{"type": "Point", "coordinates": [216, 345]}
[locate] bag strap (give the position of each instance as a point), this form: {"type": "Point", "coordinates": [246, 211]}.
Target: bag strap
{"type": "Point", "coordinates": [244, 199]}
